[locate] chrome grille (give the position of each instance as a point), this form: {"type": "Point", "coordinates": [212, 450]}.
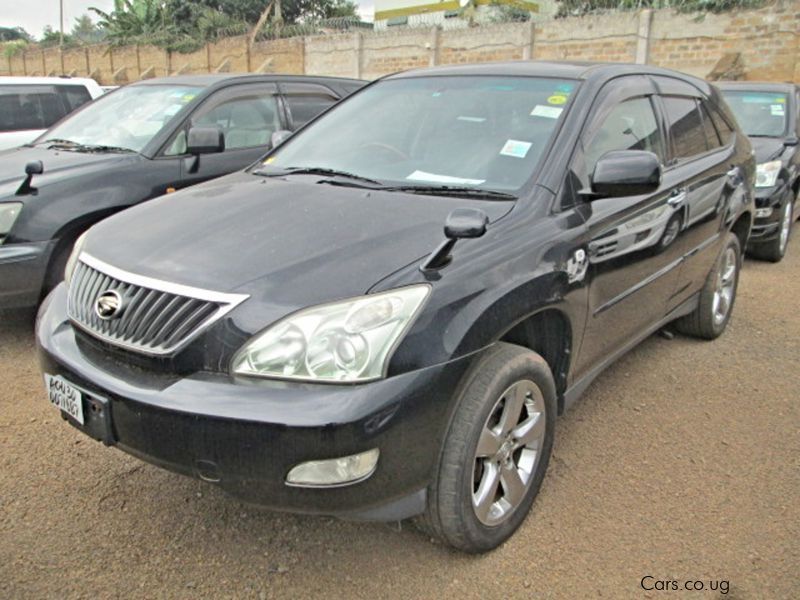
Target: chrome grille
{"type": "Point", "coordinates": [156, 317]}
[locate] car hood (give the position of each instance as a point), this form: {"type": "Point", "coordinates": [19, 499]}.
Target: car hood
{"type": "Point", "coordinates": [767, 148]}
{"type": "Point", "coordinates": [290, 243]}
{"type": "Point", "coordinates": [58, 165]}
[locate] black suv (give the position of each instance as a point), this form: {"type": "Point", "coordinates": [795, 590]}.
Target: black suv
{"type": "Point", "coordinates": [385, 316]}
{"type": "Point", "coordinates": [136, 143]}
{"type": "Point", "coordinates": [769, 113]}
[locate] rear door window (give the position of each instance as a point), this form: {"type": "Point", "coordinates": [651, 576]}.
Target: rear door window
{"type": "Point", "coordinates": [685, 127]}
{"type": "Point", "coordinates": [306, 101]}
{"type": "Point", "coordinates": [24, 107]}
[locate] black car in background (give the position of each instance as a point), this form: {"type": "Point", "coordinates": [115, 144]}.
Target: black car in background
{"type": "Point", "coordinates": [383, 318]}
{"type": "Point", "coordinates": [769, 113]}
{"type": "Point", "coordinates": [131, 145]}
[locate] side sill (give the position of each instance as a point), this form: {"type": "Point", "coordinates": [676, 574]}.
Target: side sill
{"type": "Point", "coordinates": [577, 389]}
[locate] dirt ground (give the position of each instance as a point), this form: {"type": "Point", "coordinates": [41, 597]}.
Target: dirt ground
{"type": "Point", "coordinates": [682, 463]}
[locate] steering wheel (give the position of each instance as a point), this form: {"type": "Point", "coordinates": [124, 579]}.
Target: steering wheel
{"type": "Point", "coordinates": [387, 148]}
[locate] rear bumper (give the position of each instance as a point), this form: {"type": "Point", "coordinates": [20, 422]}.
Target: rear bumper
{"type": "Point", "coordinates": [246, 435]}
{"type": "Point", "coordinates": [22, 273]}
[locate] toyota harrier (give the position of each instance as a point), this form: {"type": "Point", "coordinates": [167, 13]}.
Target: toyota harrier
{"type": "Point", "coordinates": [383, 317]}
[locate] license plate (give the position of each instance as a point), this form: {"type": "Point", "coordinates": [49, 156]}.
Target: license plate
{"type": "Point", "coordinates": [65, 396]}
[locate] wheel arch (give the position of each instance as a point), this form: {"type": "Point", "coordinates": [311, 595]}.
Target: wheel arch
{"type": "Point", "coordinates": [741, 228]}
{"type": "Point", "coordinates": [548, 332]}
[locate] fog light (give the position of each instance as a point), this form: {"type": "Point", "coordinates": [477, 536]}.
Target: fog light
{"type": "Point", "coordinates": [334, 471]}
{"type": "Point", "coordinates": [763, 213]}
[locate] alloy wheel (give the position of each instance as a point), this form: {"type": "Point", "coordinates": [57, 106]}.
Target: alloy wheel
{"type": "Point", "coordinates": [726, 282]}
{"type": "Point", "coordinates": [508, 452]}
{"type": "Point", "coordinates": [786, 225]}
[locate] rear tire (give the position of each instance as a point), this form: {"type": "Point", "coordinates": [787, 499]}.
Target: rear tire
{"type": "Point", "coordinates": [495, 452]}
{"type": "Point", "coordinates": [717, 297]}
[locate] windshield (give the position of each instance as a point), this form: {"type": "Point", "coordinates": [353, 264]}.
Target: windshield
{"type": "Point", "coordinates": [127, 118]}
{"type": "Point", "coordinates": [482, 132]}
{"type": "Point", "coordinates": [760, 114]}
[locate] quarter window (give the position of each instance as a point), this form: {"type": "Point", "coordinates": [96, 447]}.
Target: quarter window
{"type": "Point", "coordinates": [631, 125]}
{"type": "Point", "coordinates": [685, 127]}
{"type": "Point", "coordinates": [725, 131]}
{"type": "Point", "coordinates": [712, 139]}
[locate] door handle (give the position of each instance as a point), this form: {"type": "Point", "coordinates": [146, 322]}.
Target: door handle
{"type": "Point", "coordinates": [676, 198]}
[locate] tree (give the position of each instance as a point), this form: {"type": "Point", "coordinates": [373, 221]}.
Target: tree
{"type": "Point", "coordinates": [86, 31]}
{"type": "Point", "coordinates": [10, 34]}
{"type": "Point", "coordinates": [51, 37]}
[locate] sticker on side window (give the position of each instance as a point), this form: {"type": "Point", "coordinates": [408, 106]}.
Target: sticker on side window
{"type": "Point", "coordinates": [549, 112]}
{"type": "Point", "coordinates": [516, 148]}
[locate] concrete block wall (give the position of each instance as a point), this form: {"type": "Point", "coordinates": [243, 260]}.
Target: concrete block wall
{"type": "Point", "coordinates": [766, 38]}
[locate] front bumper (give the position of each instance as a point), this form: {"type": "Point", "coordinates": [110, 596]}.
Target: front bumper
{"type": "Point", "coordinates": [246, 435]}
{"type": "Point", "coordinates": [766, 229]}
{"type": "Point", "coordinates": [22, 273]}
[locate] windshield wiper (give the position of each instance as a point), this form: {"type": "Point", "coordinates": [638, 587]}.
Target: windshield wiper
{"type": "Point", "coordinates": [452, 190]}
{"type": "Point", "coordinates": [318, 171]}
{"type": "Point", "coordinates": [55, 142]}
{"type": "Point", "coordinates": [70, 145]}
{"type": "Point", "coordinates": [101, 148]}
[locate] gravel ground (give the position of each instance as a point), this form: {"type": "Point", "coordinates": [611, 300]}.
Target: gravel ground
{"type": "Point", "coordinates": [681, 462]}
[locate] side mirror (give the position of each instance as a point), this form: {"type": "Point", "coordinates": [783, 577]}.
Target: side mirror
{"type": "Point", "coordinates": [278, 137]}
{"type": "Point", "coordinates": [35, 167]}
{"type": "Point", "coordinates": [205, 140]}
{"type": "Point", "coordinates": [626, 173]}
{"type": "Point", "coordinates": [465, 223]}
{"type": "Point", "coordinates": [462, 223]}
{"type": "Point", "coordinates": [791, 141]}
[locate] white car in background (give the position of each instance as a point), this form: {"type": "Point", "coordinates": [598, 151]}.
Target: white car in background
{"type": "Point", "coordinates": [30, 105]}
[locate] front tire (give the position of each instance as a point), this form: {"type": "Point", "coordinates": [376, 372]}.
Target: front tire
{"type": "Point", "coordinates": [775, 249]}
{"type": "Point", "coordinates": [495, 452]}
{"type": "Point", "coordinates": [715, 306]}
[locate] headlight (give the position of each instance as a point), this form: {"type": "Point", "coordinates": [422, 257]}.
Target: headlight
{"type": "Point", "coordinates": [9, 211]}
{"type": "Point", "coordinates": [73, 257]}
{"type": "Point", "coordinates": [767, 174]}
{"type": "Point", "coordinates": [345, 341]}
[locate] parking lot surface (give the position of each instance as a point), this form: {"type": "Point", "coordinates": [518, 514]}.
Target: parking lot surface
{"type": "Point", "coordinates": [681, 463]}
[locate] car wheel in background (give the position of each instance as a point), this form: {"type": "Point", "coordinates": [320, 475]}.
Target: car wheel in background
{"type": "Point", "coordinates": [495, 452]}
{"type": "Point", "coordinates": [775, 249]}
{"type": "Point", "coordinates": [715, 306]}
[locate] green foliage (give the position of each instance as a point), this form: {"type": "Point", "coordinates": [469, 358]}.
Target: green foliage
{"type": "Point", "coordinates": [12, 34]}
{"type": "Point", "coordinates": [13, 47]}
{"type": "Point", "coordinates": [85, 31]}
{"type": "Point", "coordinates": [51, 37]}
{"type": "Point", "coordinates": [185, 25]}
{"type": "Point", "coordinates": [582, 7]}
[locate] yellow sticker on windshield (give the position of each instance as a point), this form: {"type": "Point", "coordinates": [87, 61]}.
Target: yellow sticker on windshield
{"type": "Point", "coordinates": [780, 100]}
{"type": "Point", "coordinates": [268, 160]}
{"type": "Point", "coordinates": [557, 99]}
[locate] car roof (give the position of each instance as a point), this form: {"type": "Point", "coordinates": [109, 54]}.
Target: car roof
{"type": "Point", "coordinates": [6, 80]}
{"type": "Point", "coordinates": [756, 86]}
{"type": "Point", "coordinates": [208, 80]}
{"type": "Point", "coordinates": [556, 69]}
